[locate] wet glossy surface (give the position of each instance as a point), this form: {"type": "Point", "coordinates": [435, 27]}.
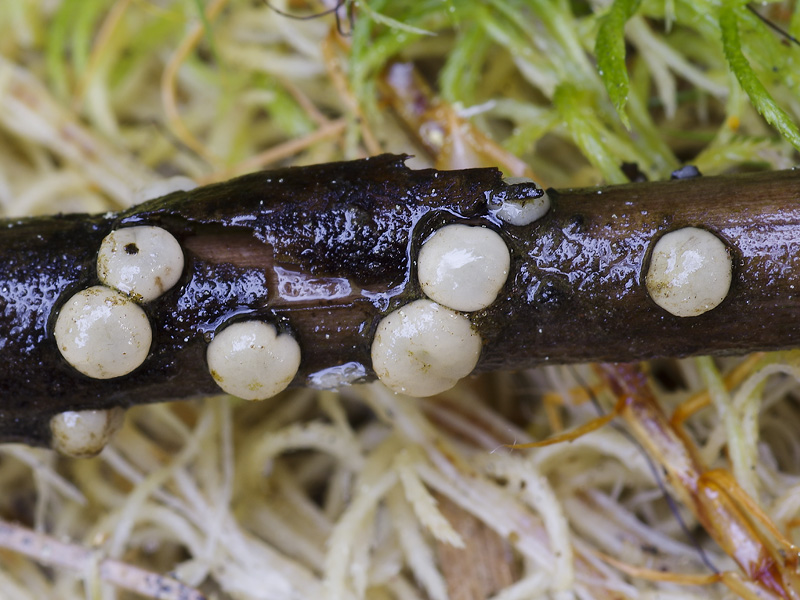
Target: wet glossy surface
{"type": "Point", "coordinates": [521, 203]}
{"type": "Point", "coordinates": [326, 252]}
{"type": "Point", "coordinates": [583, 276]}
{"type": "Point", "coordinates": [462, 267]}
{"type": "Point", "coordinates": [320, 252]}
{"type": "Point", "coordinates": [248, 359]}
{"type": "Point", "coordinates": [143, 262]}
{"type": "Point", "coordinates": [689, 272]}
{"type": "Point", "coordinates": [102, 333]}
{"type": "Point", "coordinates": [423, 348]}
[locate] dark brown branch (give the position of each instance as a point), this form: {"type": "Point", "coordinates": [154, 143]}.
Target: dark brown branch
{"type": "Point", "coordinates": [326, 251]}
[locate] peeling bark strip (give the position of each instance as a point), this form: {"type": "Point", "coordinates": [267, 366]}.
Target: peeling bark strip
{"type": "Point", "coordinates": [322, 254]}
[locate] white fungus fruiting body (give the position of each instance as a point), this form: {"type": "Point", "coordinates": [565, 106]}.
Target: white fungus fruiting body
{"type": "Point", "coordinates": [103, 333]}
{"type": "Point", "coordinates": [83, 434]}
{"type": "Point", "coordinates": [690, 272]}
{"type": "Point", "coordinates": [520, 211]}
{"type": "Point", "coordinates": [423, 349]}
{"type": "Point", "coordinates": [250, 360]}
{"type": "Point", "coordinates": [141, 261]}
{"type": "Point", "coordinates": [463, 267]}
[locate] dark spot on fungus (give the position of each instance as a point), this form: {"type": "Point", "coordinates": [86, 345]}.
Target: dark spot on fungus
{"type": "Point", "coordinates": [131, 248]}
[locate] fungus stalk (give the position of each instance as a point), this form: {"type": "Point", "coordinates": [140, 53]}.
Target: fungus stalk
{"type": "Point", "coordinates": [321, 256]}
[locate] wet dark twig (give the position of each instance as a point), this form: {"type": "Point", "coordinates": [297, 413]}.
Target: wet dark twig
{"type": "Point", "coordinates": [325, 252]}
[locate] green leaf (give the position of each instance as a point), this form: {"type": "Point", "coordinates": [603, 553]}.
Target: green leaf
{"type": "Point", "coordinates": [610, 51]}
{"type": "Point", "coordinates": [759, 96]}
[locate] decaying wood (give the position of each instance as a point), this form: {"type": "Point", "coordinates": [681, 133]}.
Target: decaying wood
{"type": "Point", "coordinates": [326, 251]}
{"type": "Point", "coordinates": [484, 566]}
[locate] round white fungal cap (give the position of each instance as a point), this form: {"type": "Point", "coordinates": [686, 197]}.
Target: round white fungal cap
{"type": "Point", "coordinates": [423, 349]}
{"type": "Point", "coordinates": [83, 434]}
{"type": "Point", "coordinates": [103, 333]}
{"type": "Point", "coordinates": [142, 261]}
{"type": "Point", "coordinates": [690, 272]}
{"type": "Point", "coordinates": [520, 209]}
{"type": "Point", "coordinates": [463, 267]}
{"type": "Point", "coordinates": [250, 360]}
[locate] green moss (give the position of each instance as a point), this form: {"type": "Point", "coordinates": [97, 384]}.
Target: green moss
{"type": "Point", "coordinates": [545, 73]}
{"type": "Point", "coordinates": [750, 81]}
{"type": "Point", "coordinates": [558, 45]}
{"type": "Point", "coordinates": [610, 52]}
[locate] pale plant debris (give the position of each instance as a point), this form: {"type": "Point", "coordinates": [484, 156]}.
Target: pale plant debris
{"type": "Point", "coordinates": [357, 495]}
{"type": "Point", "coordinates": [51, 552]}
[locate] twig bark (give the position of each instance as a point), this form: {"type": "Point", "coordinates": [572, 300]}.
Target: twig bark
{"type": "Point", "coordinates": [326, 251]}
